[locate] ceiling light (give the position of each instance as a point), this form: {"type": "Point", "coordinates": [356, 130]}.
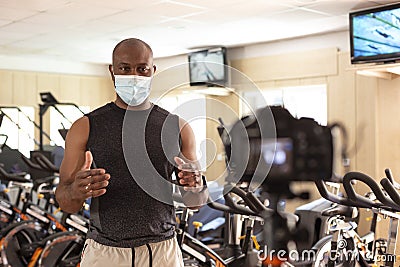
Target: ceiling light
{"type": "Point", "coordinates": [395, 70]}
{"type": "Point", "coordinates": [217, 91]}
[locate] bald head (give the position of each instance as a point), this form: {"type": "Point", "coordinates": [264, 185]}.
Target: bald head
{"type": "Point", "coordinates": [134, 44]}
{"type": "Point", "coordinates": [132, 57]}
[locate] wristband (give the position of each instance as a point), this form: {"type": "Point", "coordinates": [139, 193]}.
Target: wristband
{"type": "Point", "coordinates": [204, 183]}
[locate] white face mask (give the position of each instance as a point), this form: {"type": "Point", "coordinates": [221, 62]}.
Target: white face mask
{"type": "Point", "coordinates": [133, 89]}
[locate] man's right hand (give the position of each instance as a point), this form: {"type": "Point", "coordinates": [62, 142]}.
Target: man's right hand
{"type": "Point", "coordinates": [89, 182]}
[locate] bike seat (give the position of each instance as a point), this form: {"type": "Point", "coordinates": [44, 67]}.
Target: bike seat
{"type": "Point", "coordinates": [31, 164]}
{"type": "Point", "coordinates": [340, 210]}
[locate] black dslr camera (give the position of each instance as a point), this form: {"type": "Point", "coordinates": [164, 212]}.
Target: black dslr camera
{"type": "Point", "coordinates": [273, 147]}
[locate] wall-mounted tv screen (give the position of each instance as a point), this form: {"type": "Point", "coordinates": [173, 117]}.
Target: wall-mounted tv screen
{"type": "Point", "coordinates": [375, 34]}
{"type": "Point", "coordinates": [208, 67]}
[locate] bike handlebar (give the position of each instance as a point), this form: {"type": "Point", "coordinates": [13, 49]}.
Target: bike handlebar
{"type": "Point", "coordinates": [386, 203]}
{"type": "Point", "coordinates": [336, 199]}
{"type": "Point", "coordinates": [235, 208]}
{"type": "Point", "coordinates": [257, 202]}
{"type": "Point", "coordinates": [390, 190]}
{"type": "Point", "coordinates": [46, 163]}
{"type": "Point", "coordinates": [252, 201]}
{"type": "Point", "coordinates": [9, 177]}
{"type": "Point", "coordinates": [389, 175]}
{"type": "Point", "coordinates": [31, 164]}
{"type": "Point", "coordinates": [231, 207]}
{"type": "Point", "coordinates": [255, 206]}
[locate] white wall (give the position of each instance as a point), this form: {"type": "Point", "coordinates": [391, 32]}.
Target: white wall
{"type": "Point", "coordinates": [328, 40]}
{"type": "Point", "coordinates": [174, 71]}
{"type": "Point", "coordinates": [338, 39]}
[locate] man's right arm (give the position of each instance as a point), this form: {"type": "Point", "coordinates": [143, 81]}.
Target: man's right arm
{"type": "Point", "coordinates": [77, 181]}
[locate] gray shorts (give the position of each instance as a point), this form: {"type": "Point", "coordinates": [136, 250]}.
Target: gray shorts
{"type": "Point", "coordinates": [166, 253]}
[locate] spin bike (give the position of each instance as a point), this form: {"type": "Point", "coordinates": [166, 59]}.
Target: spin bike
{"type": "Point", "coordinates": [345, 247]}
{"type": "Point", "coordinates": [242, 211]}
{"type": "Point", "coordinates": [34, 236]}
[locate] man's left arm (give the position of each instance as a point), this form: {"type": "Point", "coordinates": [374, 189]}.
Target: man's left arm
{"type": "Point", "coordinates": [193, 188]}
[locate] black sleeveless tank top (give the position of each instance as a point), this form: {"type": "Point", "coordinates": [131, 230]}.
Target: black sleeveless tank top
{"type": "Point", "coordinates": [136, 148]}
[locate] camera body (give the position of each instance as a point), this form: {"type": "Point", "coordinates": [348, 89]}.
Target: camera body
{"type": "Point", "coordinates": [273, 147]}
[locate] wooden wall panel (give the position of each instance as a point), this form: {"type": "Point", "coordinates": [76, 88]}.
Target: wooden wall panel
{"type": "Point", "coordinates": [226, 108]}
{"type": "Point", "coordinates": [341, 96]}
{"type": "Point", "coordinates": [388, 132]}
{"type": "Point", "coordinates": [6, 84]}
{"type": "Point", "coordinates": [48, 83]}
{"type": "Point", "coordinates": [366, 127]}
{"type": "Point", "coordinates": [321, 62]}
{"type": "Point", "coordinates": [69, 89]}
{"type": "Point", "coordinates": [107, 90]}
{"type": "Point", "coordinates": [389, 126]}
{"type": "Point", "coordinates": [94, 92]}
{"type": "Point", "coordinates": [24, 89]}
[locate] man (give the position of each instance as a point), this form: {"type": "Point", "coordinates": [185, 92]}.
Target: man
{"type": "Point", "coordinates": [132, 145]}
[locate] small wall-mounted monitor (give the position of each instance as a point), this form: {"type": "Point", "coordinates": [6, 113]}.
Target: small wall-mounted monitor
{"type": "Point", "coordinates": [208, 67]}
{"type": "Point", "coordinates": [375, 34]}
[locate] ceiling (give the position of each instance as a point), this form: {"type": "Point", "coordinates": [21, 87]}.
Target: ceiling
{"type": "Point", "coordinates": [87, 30]}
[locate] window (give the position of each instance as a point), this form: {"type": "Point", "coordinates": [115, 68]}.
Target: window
{"type": "Point", "coordinates": [192, 108]}
{"type": "Point", "coordinates": [307, 101]}
{"type": "Point", "coordinates": [18, 126]}
{"type": "Point", "coordinates": [63, 119]}
{"type": "Point", "coordinates": [301, 101]}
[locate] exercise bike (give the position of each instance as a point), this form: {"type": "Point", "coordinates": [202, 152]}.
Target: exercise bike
{"type": "Point", "coordinates": [242, 210]}
{"type": "Point", "coordinates": [40, 239]}
{"type": "Point", "coordinates": [345, 247]}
